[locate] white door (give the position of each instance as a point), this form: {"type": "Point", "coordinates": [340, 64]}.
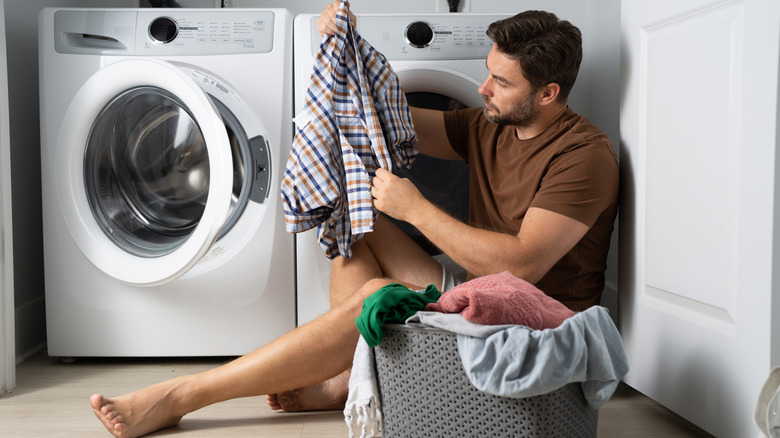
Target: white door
{"type": "Point", "coordinates": [698, 221]}
{"type": "Point", "coordinates": [144, 171]}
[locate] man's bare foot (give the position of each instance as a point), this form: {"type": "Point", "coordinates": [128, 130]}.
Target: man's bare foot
{"type": "Point", "coordinates": [136, 414]}
{"type": "Point", "coordinates": [324, 396]}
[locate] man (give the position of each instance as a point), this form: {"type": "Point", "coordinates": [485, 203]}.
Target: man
{"type": "Point", "coordinates": [544, 186]}
{"type": "Point", "coordinates": [543, 201]}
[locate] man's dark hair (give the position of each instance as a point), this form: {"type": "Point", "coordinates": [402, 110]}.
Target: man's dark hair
{"type": "Point", "coordinates": [548, 49]}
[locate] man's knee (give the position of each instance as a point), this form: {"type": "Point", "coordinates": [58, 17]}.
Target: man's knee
{"type": "Point", "coordinates": [355, 301]}
{"type": "Point", "coordinates": [372, 286]}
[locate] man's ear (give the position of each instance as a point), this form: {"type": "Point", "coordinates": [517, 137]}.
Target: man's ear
{"type": "Point", "coordinates": [549, 93]}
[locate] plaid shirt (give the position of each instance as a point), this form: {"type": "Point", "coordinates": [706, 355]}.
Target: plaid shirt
{"type": "Point", "coordinates": [355, 120]}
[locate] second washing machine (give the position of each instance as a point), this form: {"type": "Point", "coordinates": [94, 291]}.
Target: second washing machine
{"type": "Point", "coordinates": [164, 135]}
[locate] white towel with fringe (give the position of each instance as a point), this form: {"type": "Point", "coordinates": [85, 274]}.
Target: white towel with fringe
{"type": "Point", "coordinates": [363, 411]}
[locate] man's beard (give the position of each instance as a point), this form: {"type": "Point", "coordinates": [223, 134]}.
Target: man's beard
{"type": "Point", "coordinates": [522, 115]}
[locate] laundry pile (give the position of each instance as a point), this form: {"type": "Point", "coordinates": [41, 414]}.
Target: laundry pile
{"type": "Point", "coordinates": [513, 341]}
{"type": "Point", "coordinates": [503, 299]}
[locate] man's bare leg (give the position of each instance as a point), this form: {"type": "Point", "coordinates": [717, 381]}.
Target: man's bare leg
{"type": "Point", "coordinates": [387, 252]}
{"type": "Point", "coordinates": [332, 394]}
{"type": "Point", "coordinates": [285, 363]}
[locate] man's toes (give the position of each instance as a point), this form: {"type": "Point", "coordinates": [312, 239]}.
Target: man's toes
{"type": "Point", "coordinates": [96, 401]}
{"type": "Point", "coordinates": [273, 403]}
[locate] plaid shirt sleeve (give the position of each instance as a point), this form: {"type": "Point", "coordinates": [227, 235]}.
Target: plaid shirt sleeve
{"type": "Point", "coordinates": [355, 120]}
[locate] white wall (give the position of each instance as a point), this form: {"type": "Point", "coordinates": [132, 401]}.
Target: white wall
{"type": "Point", "coordinates": [602, 60]}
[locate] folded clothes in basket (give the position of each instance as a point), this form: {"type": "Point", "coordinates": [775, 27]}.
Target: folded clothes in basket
{"type": "Point", "coordinates": [503, 299]}
{"type": "Point", "coordinates": [492, 299]}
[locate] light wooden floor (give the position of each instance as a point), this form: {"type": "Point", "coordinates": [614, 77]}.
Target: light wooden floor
{"type": "Point", "coordinates": [51, 400]}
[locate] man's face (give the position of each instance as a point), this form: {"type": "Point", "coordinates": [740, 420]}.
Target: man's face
{"type": "Point", "coordinates": [509, 98]}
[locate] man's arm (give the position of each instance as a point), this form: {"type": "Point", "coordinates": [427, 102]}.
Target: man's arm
{"type": "Point", "coordinates": [544, 238]}
{"type": "Point", "coordinates": [431, 134]}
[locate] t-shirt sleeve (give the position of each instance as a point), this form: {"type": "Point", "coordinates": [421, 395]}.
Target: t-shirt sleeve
{"type": "Point", "coordinates": [460, 127]}
{"type": "Point", "coordinates": [580, 183]}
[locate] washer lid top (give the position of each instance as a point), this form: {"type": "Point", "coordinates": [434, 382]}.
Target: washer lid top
{"type": "Point", "coordinates": [144, 171]}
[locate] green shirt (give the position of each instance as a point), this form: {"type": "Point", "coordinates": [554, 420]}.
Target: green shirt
{"type": "Point", "coordinates": [393, 303]}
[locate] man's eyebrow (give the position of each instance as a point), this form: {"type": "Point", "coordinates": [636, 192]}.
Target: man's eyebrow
{"type": "Point", "coordinates": [501, 79]}
{"type": "Point", "coordinates": [498, 78]}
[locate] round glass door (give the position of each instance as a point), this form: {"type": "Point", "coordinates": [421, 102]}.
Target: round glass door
{"type": "Point", "coordinates": [146, 172]}
{"type": "Point", "coordinates": [443, 182]}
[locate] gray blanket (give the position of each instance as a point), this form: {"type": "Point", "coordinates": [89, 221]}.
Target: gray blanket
{"type": "Point", "coordinates": [516, 361]}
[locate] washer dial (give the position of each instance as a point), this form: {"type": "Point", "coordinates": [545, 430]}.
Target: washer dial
{"type": "Point", "coordinates": [419, 34]}
{"type": "Point", "coordinates": [163, 30]}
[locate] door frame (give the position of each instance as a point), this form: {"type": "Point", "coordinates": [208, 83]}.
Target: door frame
{"type": "Point", "coordinates": [7, 344]}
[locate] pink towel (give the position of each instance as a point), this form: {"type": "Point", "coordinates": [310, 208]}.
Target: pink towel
{"type": "Point", "coordinates": [502, 299]}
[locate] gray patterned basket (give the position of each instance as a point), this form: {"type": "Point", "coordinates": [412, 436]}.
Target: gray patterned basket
{"type": "Point", "coordinates": [426, 393]}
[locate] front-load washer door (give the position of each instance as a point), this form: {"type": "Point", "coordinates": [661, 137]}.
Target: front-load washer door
{"type": "Point", "coordinates": [144, 171]}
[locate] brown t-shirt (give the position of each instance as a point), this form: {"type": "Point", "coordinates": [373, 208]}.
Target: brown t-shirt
{"type": "Point", "coordinates": [570, 169]}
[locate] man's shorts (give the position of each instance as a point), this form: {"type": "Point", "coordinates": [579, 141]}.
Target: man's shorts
{"type": "Point", "coordinates": [452, 274]}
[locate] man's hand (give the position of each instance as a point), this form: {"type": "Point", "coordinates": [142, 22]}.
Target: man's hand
{"type": "Point", "coordinates": [326, 24]}
{"type": "Point", "coordinates": [394, 196]}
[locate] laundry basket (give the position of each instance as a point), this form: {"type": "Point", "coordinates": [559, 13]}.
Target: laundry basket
{"type": "Point", "coordinates": [426, 393]}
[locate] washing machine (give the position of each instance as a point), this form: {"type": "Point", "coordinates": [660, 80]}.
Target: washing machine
{"type": "Point", "coordinates": [440, 61]}
{"type": "Point", "coordinates": [164, 135]}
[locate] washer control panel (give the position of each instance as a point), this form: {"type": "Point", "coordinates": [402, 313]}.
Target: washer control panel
{"type": "Point", "coordinates": [428, 37]}
{"type": "Point", "coordinates": [164, 32]}
{"type": "Point", "coordinates": [204, 33]}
